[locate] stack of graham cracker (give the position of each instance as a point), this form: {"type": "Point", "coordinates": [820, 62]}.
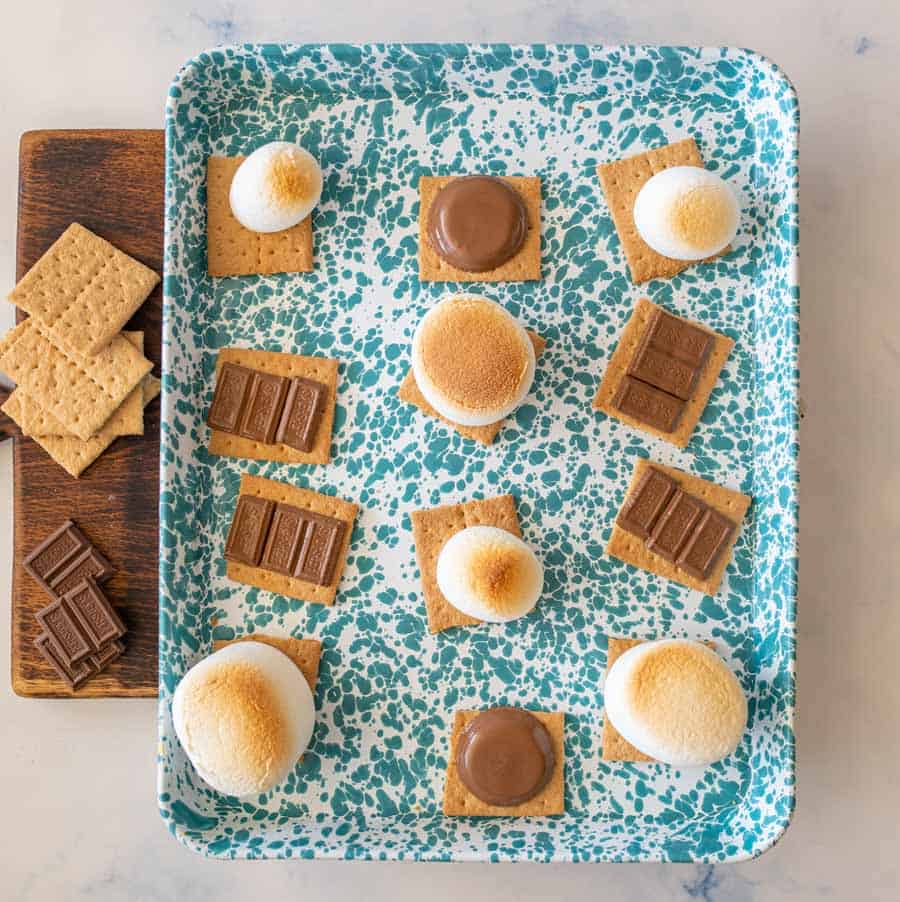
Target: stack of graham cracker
{"type": "Point", "coordinates": [80, 381]}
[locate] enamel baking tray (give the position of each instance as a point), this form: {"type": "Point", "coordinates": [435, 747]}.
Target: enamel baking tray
{"type": "Point", "coordinates": [378, 117]}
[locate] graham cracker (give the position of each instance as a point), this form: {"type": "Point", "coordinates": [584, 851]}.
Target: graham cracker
{"type": "Point", "coordinates": [73, 454]}
{"type": "Point", "coordinates": [431, 531]}
{"type": "Point", "coordinates": [614, 746]}
{"type": "Point", "coordinates": [82, 392]}
{"type": "Point", "coordinates": [127, 420]}
{"type": "Point", "coordinates": [83, 290]}
{"type": "Point", "coordinates": [550, 800]}
{"type": "Point", "coordinates": [629, 548]}
{"type": "Point", "coordinates": [233, 250]}
{"type": "Point", "coordinates": [305, 653]}
{"type": "Point", "coordinates": [322, 369]}
{"type": "Point", "coordinates": [622, 180]}
{"type": "Point", "coordinates": [327, 505]}
{"type": "Point", "coordinates": [410, 393]}
{"type": "Point", "coordinates": [622, 356]}
{"type": "Point", "coordinates": [524, 266]}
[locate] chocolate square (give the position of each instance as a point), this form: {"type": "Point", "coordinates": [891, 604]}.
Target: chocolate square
{"type": "Point", "coordinates": [643, 506]}
{"type": "Point", "coordinates": [657, 368]}
{"type": "Point", "coordinates": [54, 554]}
{"type": "Point", "coordinates": [302, 414]}
{"type": "Point", "coordinates": [318, 554]}
{"type": "Point", "coordinates": [230, 397]}
{"type": "Point", "coordinates": [678, 338]}
{"type": "Point", "coordinates": [648, 404]}
{"type": "Point", "coordinates": [70, 641]}
{"type": "Point", "coordinates": [90, 563]}
{"type": "Point", "coordinates": [95, 615]}
{"type": "Point", "coordinates": [249, 528]}
{"type": "Point", "coordinates": [675, 525]}
{"type": "Point", "coordinates": [109, 653]}
{"type": "Point", "coordinates": [705, 544]}
{"type": "Point", "coordinates": [264, 405]}
{"type": "Point", "coordinates": [286, 534]}
{"type": "Point", "coordinates": [72, 674]}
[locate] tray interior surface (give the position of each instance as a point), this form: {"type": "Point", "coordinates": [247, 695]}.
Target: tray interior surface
{"type": "Point", "coordinates": [378, 117]}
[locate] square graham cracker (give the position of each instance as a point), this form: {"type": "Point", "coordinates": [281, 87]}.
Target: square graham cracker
{"type": "Point", "coordinates": [622, 356]}
{"type": "Point", "coordinates": [82, 392]}
{"type": "Point", "coordinates": [322, 369]}
{"type": "Point", "coordinates": [232, 250]}
{"type": "Point", "coordinates": [83, 290]}
{"type": "Point", "coordinates": [327, 505]}
{"type": "Point", "coordinates": [431, 531]}
{"type": "Point", "coordinates": [305, 653]}
{"type": "Point", "coordinates": [614, 746]}
{"type": "Point", "coordinates": [127, 420]}
{"type": "Point", "coordinates": [458, 801]}
{"type": "Point", "coordinates": [73, 454]}
{"type": "Point", "coordinates": [410, 393]}
{"type": "Point", "coordinates": [629, 548]}
{"type": "Point", "coordinates": [622, 180]}
{"type": "Point", "coordinates": [525, 266]}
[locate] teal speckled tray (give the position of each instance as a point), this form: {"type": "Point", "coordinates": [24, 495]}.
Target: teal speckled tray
{"type": "Point", "coordinates": [378, 117]}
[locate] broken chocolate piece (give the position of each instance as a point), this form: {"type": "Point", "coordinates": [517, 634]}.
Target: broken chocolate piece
{"type": "Point", "coordinates": [265, 402]}
{"type": "Point", "coordinates": [663, 371]}
{"type": "Point", "coordinates": [54, 554]}
{"type": "Point", "coordinates": [73, 675]}
{"type": "Point", "coordinates": [90, 563]}
{"type": "Point", "coordinates": [678, 338]}
{"type": "Point", "coordinates": [249, 528]}
{"type": "Point", "coordinates": [646, 502]}
{"type": "Point", "coordinates": [302, 414]}
{"type": "Point", "coordinates": [705, 544]}
{"type": "Point", "coordinates": [94, 614]}
{"type": "Point", "coordinates": [289, 525]}
{"type": "Point", "coordinates": [230, 397]}
{"type": "Point", "coordinates": [675, 525]}
{"type": "Point", "coordinates": [109, 653]}
{"type": "Point", "coordinates": [648, 404]}
{"type": "Point", "coordinates": [69, 640]}
{"type": "Point", "coordinates": [318, 554]}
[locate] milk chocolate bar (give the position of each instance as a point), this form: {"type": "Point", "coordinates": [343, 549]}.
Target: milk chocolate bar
{"type": "Point", "coordinates": [659, 369]}
{"type": "Point", "coordinates": [229, 399]}
{"type": "Point", "coordinates": [95, 615]}
{"type": "Point", "coordinates": [54, 554]}
{"type": "Point", "coordinates": [74, 675]}
{"type": "Point", "coordinates": [90, 564]}
{"type": "Point", "coordinates": [705, 544]}
{"type": "Point", "coordinates": [69, 640]}
{"type": "Point", "coordinates": [285, 539]}
{"type": "Point", "coordinates": [321, 543]}
{"type": "Point", "coordinates": [648, 404]}
{"type": "Point", "coordinates": [675, 525]}
{"type": "Point", "coordinates": [302, 413]}
{"type": "Point", "coordinates": [265, 402]}
{"type": "Point", "coordinates": [648, 500]}
{"type": "Point", "coordinates": [249, 528]}
{"type": "Point", "coordinates": [678, 338]}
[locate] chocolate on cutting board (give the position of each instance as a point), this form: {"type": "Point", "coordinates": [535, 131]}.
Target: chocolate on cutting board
{"type": "Point", "coordinates": [64, 559]}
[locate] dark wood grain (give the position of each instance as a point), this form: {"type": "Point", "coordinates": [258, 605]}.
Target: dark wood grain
{"type": "Point", "coordinates": [112, 183]}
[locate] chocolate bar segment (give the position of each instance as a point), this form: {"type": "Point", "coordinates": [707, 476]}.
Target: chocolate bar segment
{"type": "Point", "coordinates": [318, 554]}
{"type": "Point", "coordinates": [705, 544]}
{"type": "Point", "coordinates": [646, 502]}
{"type": "Point", "coordinates": [73, 675]}
{"type": "Point", "coordinates": [94, 614]}
{"type": "Point", "coordinates": [663, 371]}
{"type": "Point", "coordinates": [89, 564]}
{"type": "Point", "coordinates": [70, 642]}
{"type": "Point", "coordinates": [302, 414]}
{"type": "Point", "coordinates": [54, 554]}
{"type": "Point", "coordinates": [678, 338]}
{"type": "Point", "coordinates": [249, 527]}
{"type": "Point", "coordinates": [286, 534]}
{"type": "Point", "coordinates": [675, 525]}
{"type": "Point", "coordinates": [648, 405]}
{"type": "Point", "coordinates": [230, 397]}
{"type": "Point", "coordinates": [265, 403]}
{"type": "Point", "coordinates": [109, 653]}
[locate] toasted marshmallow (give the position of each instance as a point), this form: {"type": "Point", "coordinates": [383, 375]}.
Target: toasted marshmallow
{"type": "Point", "coordinates": [676, 701]}
{"type": "Point", "coordinates": [244, 716]}
{"type": "Point", "coordinates": [687, 213]}
{"type": "Point", "coordinates": [473, 361]}
{"type": "Point", "coordinates": [276, 187]}
{"type": "Point", "coordinates": [490, 574]}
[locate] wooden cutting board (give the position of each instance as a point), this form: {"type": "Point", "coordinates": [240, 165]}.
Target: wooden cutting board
{"type": "Point", "coordinates": [112, 182]}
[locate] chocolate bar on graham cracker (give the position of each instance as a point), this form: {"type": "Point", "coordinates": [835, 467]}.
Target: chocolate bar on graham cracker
{"type": "Point", "coordinates": [433, 528]}
{"type": "Point", "coordinates": [524, 266]}
{"type": "Point", "coordinates": [83, 290]}
{"type": "Point", "coordinates": [622, 181]}
{"type": "Point", "coordinates": [458, 801]}
{"type": "Point", "coordinates": [623, 394]}
{"type": "Point", "coordinates": [233, 250]}
{"type": "Point", "coordinates": [410, 393]}
{"type": "Point", "coordinates": [725, 506]}
{"type": "Point", "coordinates": [316, 548]}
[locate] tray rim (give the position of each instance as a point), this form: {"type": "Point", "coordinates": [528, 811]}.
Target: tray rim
{"type": "Point", "coordinates": [760, 60]}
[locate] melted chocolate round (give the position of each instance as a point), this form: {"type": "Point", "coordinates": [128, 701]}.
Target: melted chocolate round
{"type": "Point", "coordinates": [505, 756]}
{"type": "Point", "coordinates": [477, 222]}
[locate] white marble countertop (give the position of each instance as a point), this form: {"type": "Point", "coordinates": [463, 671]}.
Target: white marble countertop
{"type": "Point", "coordinates": [78, 778]}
